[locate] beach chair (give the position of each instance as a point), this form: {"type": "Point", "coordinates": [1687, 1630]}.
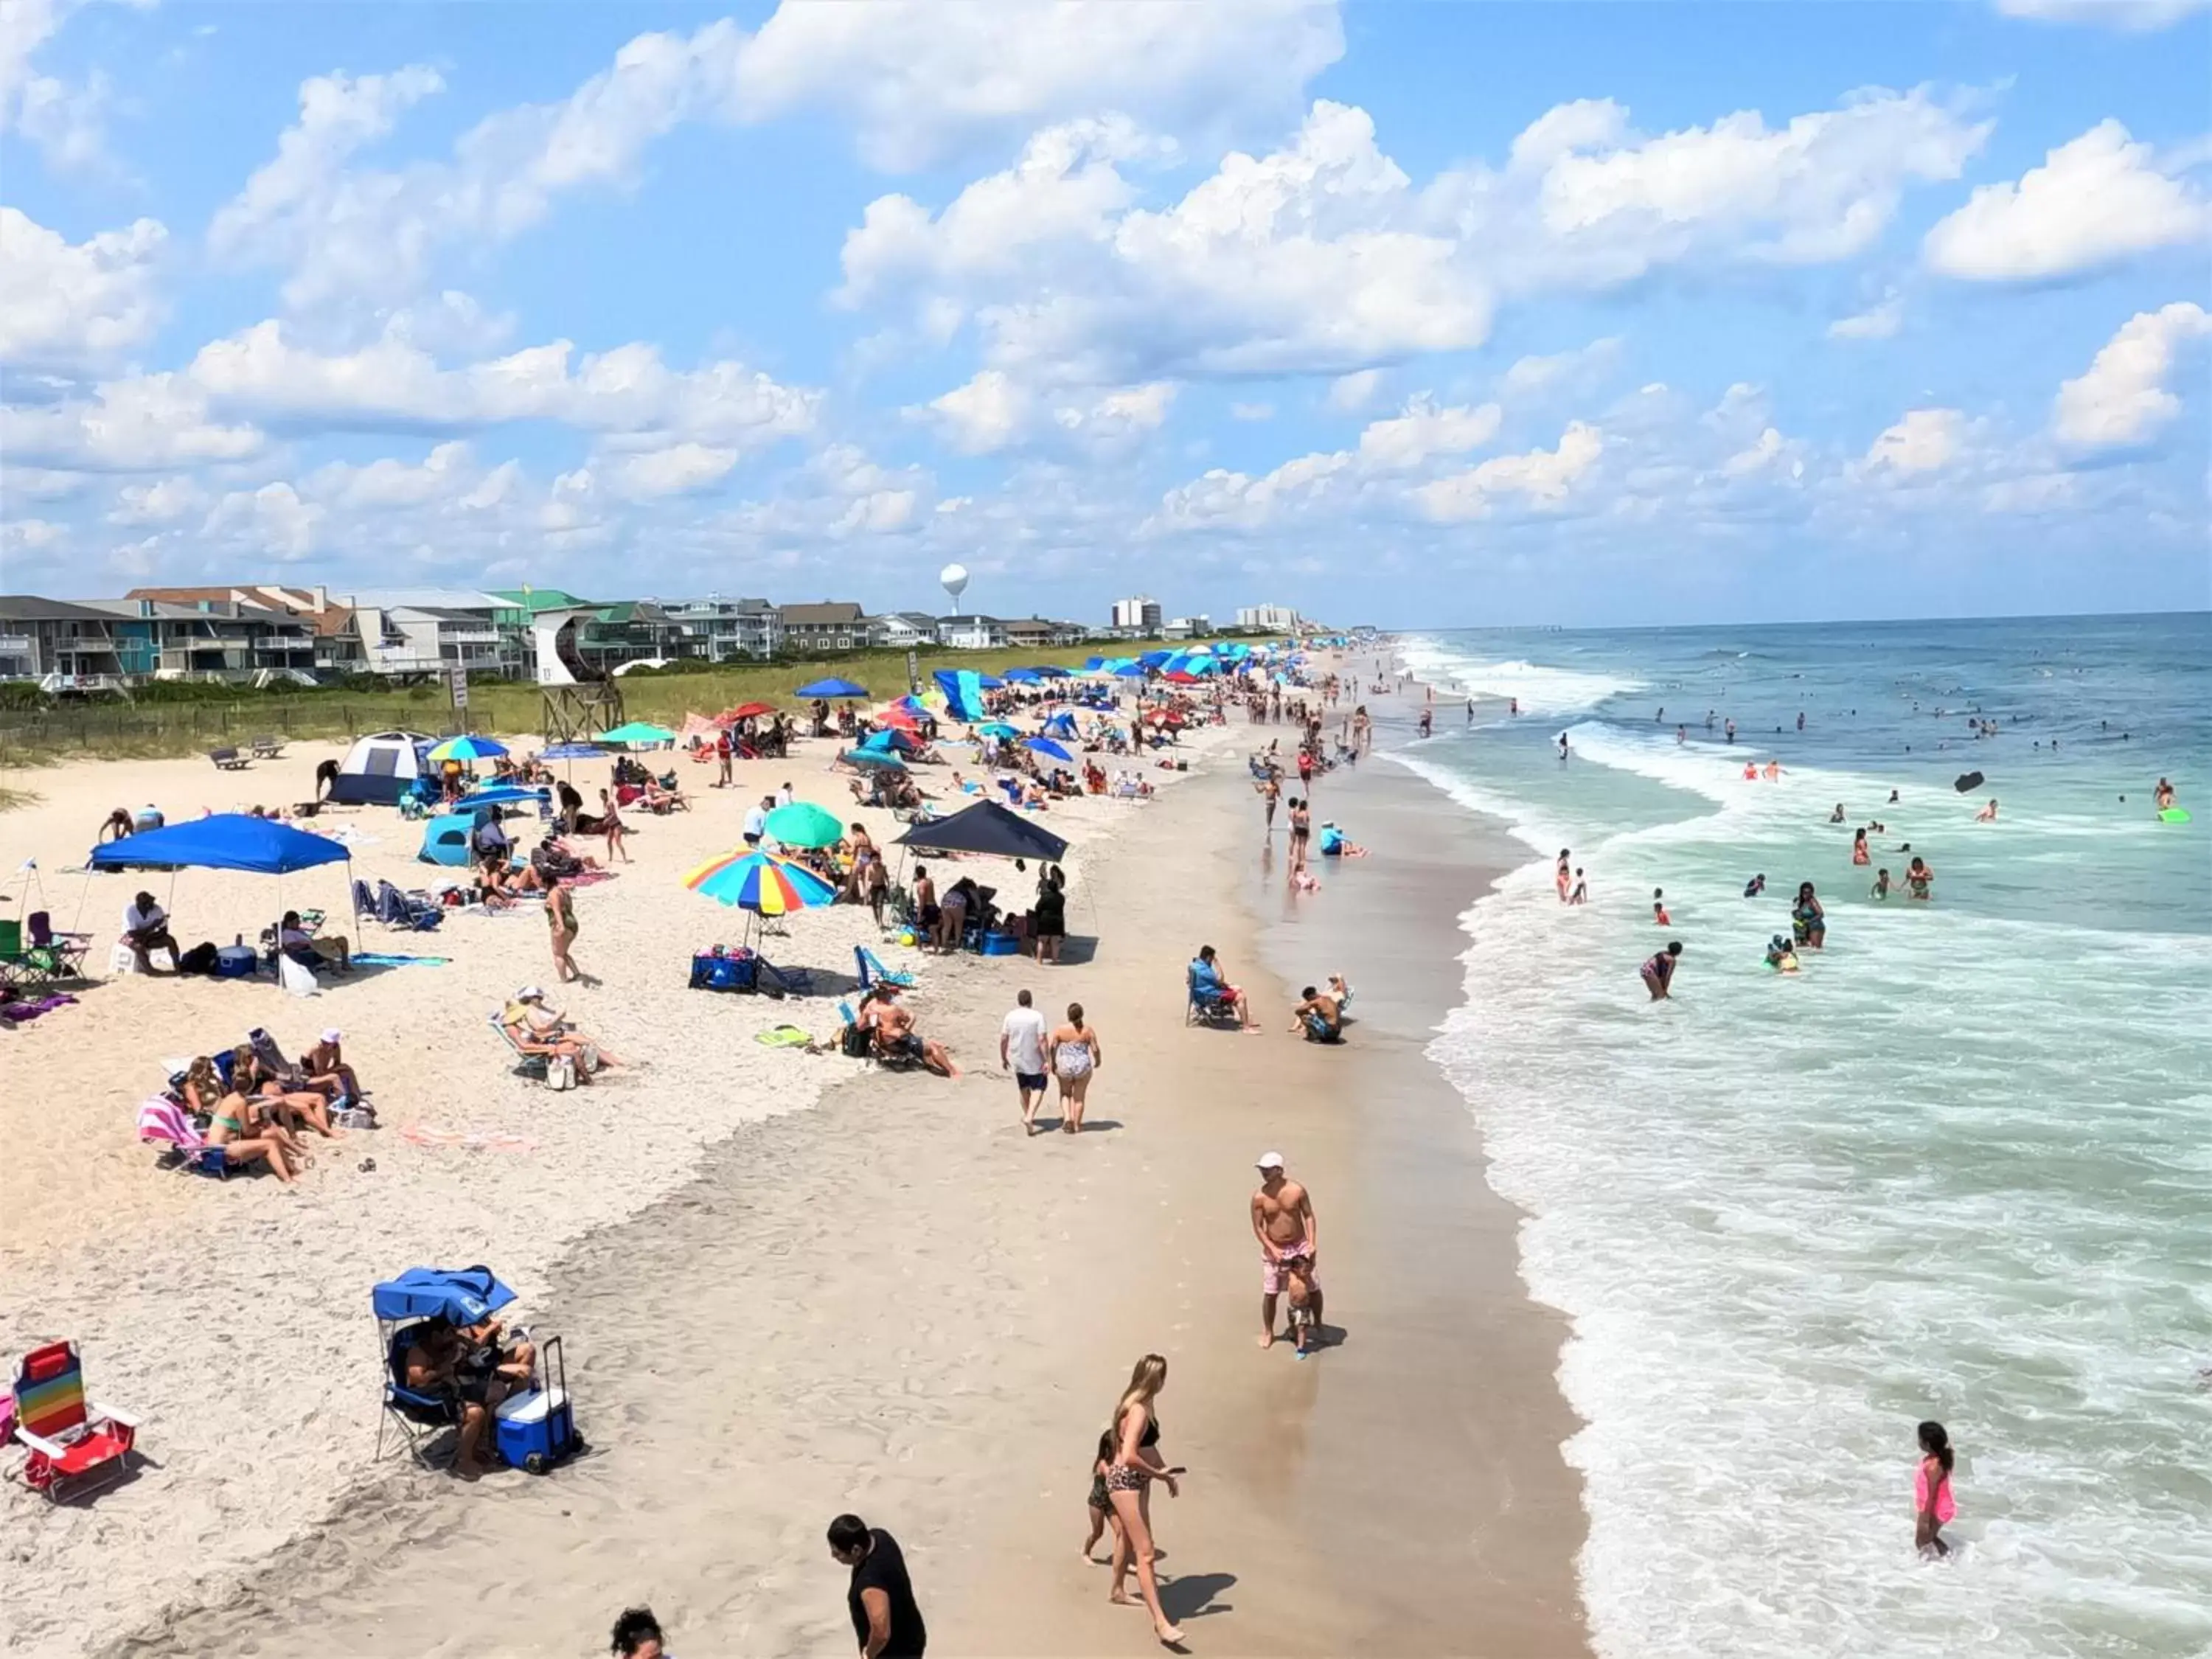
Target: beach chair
{"type": "Point", "coordinates": [268, 748]}
{"type": "Point", "coordinates": [409, 1417]}
{"type": "Point", "coordinates": [64, 953]}
{"type": "Point", "coordinates": [74, 1444]}
{"type": "Point", "coordinates": [1207, 1005]}
{"type": "Point", "coordinates": [164, 1120]}
{"type": "Point", "coordinates": [17, 965]}
{"type": "Point", "coordinates": [413, 911]}
{"type": "Point", "coordinates": [527, 1065]}
{"type": "Point", "coordinates": [228, 760]}
{"type": "Point", "coordinates": [873, 971]}
{"type": "Point", "coordinates": [364, 900]}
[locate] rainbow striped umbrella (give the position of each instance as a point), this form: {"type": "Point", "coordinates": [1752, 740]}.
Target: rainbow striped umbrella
{"type": "Point", "coordinates": [760, 882]}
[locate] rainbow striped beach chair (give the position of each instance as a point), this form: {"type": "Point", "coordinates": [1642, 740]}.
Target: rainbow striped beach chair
{"type": "Point", "coordinates": [74, 1444]}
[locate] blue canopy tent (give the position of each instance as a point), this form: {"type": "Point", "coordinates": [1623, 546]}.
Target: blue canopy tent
{"type": "Point", "coordinates": [990, 682]}
{"type": "Point", "coordinates": [1061, 725]}
{"type": "Point", "coordinates": [832, 687]}
{"type": "Point", "coordinates": [1134, 671]}
{"type": "Point", "coordinates": [1154, 659]}
{"type": "Point", "coordinates": [501, 794]}
{"type": "Point", "coordinates": [1023, 675]}
{"type": "Point", "coordinates": [1047, 746]}
{"type": "Point", "coordinates": [225, 841]}
{"type": "Point", "coordinates": [1053, 671]}
{"type": "Point", "coordinates": [1092, 665]}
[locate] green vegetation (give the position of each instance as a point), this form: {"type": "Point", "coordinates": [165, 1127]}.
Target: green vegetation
{"type": "Point", "coordinates": [148, 727]}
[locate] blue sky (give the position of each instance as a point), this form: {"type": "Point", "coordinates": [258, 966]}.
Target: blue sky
{"type": "Point", "coordinates": [1411, 314]}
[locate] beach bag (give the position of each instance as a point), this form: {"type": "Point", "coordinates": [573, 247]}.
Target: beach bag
{"type": "Point", "coordinates": [587, 1062]}
{"type": "Point", "coordinates": [853, 1043]}
{"type": "Point", "coordinates": [560, 1072]}
{"type": "Point", "coordinates": [200, 959]}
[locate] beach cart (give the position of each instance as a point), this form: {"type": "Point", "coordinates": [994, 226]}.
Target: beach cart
{"type": "Point", "coordinates": [533, 1428]}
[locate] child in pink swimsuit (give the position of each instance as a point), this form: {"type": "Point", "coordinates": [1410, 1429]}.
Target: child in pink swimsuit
{"type": "Point", "coordinates": [1932, 1508]}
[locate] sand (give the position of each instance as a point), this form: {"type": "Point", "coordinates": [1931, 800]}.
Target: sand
{"type": "Point", "coordinates": [234, 1317]}
{"type": "Point", "coordinates": [791, 1286]}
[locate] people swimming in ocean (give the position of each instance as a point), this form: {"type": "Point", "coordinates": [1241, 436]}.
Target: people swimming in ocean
{"type": "Point", "coordinates": [1755, 886]}
{"type": "Point", "coordinates": [1808, 920]}
{"type": "Point", "coordinates": [1774, 772]}
{"type": "Point", "coordinates": [1881, 889]}
{"type": "Point", "coordinates": [1837, 816]}
{"type": "Point", "coordinates": [1988, 814]}
{"type": "Point", "coordinates": [1659, 908]}
{"type": "Point", "coordinates": [1858, 847]}
{"type": "Point", "coordinates": [1800, 719]}
{"type": "Point", "coordinates": [1581, 895]}
{"type": "Point", "coordinates": [1780, 955]}
{"type": "Point", "coordinates": [1563, 745]}
{"type": "Point", "coordinates": [1893, 798]}
{"type": "Point", "coordinates": [2164, 797]}
{"type": "Point", "coordinates": [1681, 735]}
{"type": "Point", "coordinates": [1513, 705]}
{"type": "Point", "coordinates": [1750, 771]}
{"type": "Point", "coordinates": [1730, 729]}
{"type": "Point", "coordinates": [1918, 875]}
{"type": "Point", "coordinates": [1933, 1507]}
{"type": "Point", "coordinates": [1658, 971]}
{"type": "Point", "coordinates": [1563, 875]}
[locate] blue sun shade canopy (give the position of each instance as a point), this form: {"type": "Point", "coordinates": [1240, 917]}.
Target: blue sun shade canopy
{"type": "Point", "coordinates": [228, 841]}
{"type": "Point", "coordinates": [465, 1296]}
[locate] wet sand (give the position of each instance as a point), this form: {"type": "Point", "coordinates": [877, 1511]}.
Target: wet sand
{"type": "Point", "coordinates": [896, 1304]}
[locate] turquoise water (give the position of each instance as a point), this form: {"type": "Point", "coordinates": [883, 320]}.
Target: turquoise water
{"type": "Point", "coordinates": [1959, 1168]}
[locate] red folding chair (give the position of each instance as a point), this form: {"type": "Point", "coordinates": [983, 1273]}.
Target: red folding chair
{"type": "Point", "coordinates": [73, 1446]}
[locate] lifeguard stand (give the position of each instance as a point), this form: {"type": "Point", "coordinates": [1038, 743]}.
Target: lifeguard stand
{"type": "Point", "coordinates": [580, 702]}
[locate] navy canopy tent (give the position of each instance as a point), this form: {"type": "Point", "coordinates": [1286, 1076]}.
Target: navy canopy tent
{"type": "Point", "coordinates": [986, 827]}
{"type": "Point", "coordinates": [465, 1296]}
{"type": "Point", "coordinates": [833, 688]}
{"type": "Point", "coordinates": [228, 840]}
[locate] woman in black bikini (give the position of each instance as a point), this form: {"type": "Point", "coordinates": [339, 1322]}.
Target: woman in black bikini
{"type": "Point", "coordinates": [1301, 828]}
{"type": "Point", "coordinates": [1129, 1487]}
{"type": "Point", "coordinates": [1807, 919]}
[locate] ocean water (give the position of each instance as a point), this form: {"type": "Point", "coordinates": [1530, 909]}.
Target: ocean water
{"type": "Point", "coordinates": [1961, 1167]}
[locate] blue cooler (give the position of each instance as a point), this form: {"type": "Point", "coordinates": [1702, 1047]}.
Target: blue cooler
{"type": "Point", "coordinates": [536, 1430]}
{"type": "Point", "coordinates": [236, 962]}
{"type": "Point", "coordinates": [1001, 944]}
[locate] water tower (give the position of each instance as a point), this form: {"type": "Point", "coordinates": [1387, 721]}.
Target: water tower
{"type": "Point", "coordinates": [954, 577]}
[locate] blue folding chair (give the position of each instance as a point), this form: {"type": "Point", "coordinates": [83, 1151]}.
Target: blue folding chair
{"type": "Point", "coordinates": [872, 971]}
{"type": "Point", "coordinates": [1207, 1005]}
{"type": "Point", "coordinates": [410, 1417]}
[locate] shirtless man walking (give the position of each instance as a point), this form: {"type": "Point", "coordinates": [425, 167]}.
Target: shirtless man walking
{"type": "Point", "coordinates": [1283, 1221]}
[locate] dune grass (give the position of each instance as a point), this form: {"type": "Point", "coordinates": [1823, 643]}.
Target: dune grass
{"type": "Point", "coordinates": [120, 731]}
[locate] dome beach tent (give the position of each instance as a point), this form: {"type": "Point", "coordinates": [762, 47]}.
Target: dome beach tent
{"type": "Point", "coordinates": [382, 767]}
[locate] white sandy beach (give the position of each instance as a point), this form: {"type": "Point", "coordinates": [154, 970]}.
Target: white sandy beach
{"type": "Point", "coordinates": [233, 1316]}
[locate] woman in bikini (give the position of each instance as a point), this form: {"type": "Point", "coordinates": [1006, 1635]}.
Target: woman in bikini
{"type": "Point", "coordinates": [560, 919]}
{"type": "Point", "coordinates": [1807, 919]}
{"type": "Point", "coordinates": [1301, 829]}
{"type": "Point", "coordinates": [1918, 875]}
{"type": "Point", "coordinates": [1129, 1487]}
{"type": "Point", "coordinates": [1859, 855]}
{"type": "Point", "coordinates": [1075, 1057]}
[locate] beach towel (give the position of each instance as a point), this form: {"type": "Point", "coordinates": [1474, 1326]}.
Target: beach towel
{"type": "Point", "coordinates": [15, 1012]}
{"type": "Point", "coordinates": [385, 959]}
{"type": "Point", "coordinates": [163, 1118]}
{"type": "Point", "coordinates": [782, 1037]}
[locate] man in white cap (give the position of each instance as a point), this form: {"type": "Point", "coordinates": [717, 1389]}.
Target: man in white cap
{"type": "Point", "coordinates": [1283, 1221]}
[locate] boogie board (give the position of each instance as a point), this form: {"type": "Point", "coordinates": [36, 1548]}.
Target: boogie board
{"type": "Point", "coordinates": [2175, 815]}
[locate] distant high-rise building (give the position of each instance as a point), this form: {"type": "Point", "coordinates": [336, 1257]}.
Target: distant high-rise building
{"type": "Point", "coordinates": [1274, 619]}
{"type": "Point", "coordinates": [1142, 613]}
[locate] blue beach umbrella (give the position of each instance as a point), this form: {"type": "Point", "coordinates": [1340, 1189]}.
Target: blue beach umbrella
{"type": "Point", "coordinates": [996, 729]}
{"type": "Point", "coordinates": [872, 760]}
{"type": "Point", "coordinates": [832, 687]}
{"type": "Point", "coordinates": [1023, 675]}
{"type": "Point", "coordinates": [1051, 672]}
{"type": "Point", "coordinates": [1134, 671]}
{"type": "Point", "coordinates": [1047, 746]}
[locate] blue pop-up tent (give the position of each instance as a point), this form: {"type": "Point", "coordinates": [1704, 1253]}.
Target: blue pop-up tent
{"type": "Point", "coordinates": [1023, 675]}
{"type": "Point", "coordinates": [833, 687]}
{"type": "Point", "coordinates": [465, 1296]}
{"type": "Point", "coordinates": [227, 841]}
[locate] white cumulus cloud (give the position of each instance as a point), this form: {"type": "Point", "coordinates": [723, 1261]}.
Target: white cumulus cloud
{"type": "Point", "coordinates": [1925, 440]}
{"type": "Point", "coordinates": [2122, 398]}
{"type": "Point", "coordinates": [2132, 15]}
{"type": "Point", "coordinates": [69, 304]}
{"type": "Point", "coordinates": [2101, 198]}
{"type": "Point", "coordinates": [1542, 477]}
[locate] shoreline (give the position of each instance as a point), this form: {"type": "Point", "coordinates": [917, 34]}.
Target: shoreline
{"type": "Point", "coordinates": [735, 1375]}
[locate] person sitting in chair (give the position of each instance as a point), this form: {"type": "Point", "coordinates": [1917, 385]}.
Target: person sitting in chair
{"type": "Point", "coordinates": [324, 1068]}
{"type": "Point", "coordinates": [433, 1366]}
{"type": "Point", "coordinates": [1318, 1016]}
{"type": "Point", "coordinates": [1207, 982]}
{"type": "Point", "coordinates": [895, 1038]}
{"type": "Point", "coordinates": [255, 1090]}
{"type": "Point", "coordinates": [146, 930]}
{"type": "Point", "coordinates": [543, 1030]}
{"type": "Point", "coordinates": [304, 948]}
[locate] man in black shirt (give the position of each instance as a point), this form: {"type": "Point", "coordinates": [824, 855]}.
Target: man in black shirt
{"type": "Point", "coordinates": [886, 1622]}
